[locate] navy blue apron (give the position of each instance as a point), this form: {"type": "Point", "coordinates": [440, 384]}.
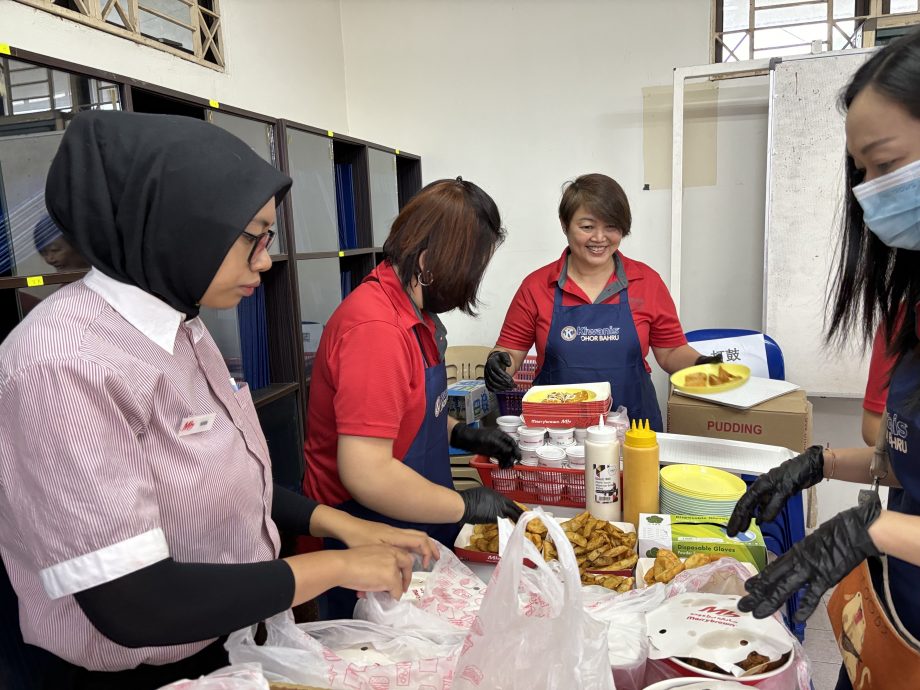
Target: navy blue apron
{"type": "Point", "coordinates": [904, 452]}
{"type": "Point", "coordinates": [428, 455]}
{"type": "Point", "coordinates": [599, 342]}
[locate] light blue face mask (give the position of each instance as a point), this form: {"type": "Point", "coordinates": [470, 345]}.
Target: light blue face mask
{"type": "Point", "coordinates": [891, 206]}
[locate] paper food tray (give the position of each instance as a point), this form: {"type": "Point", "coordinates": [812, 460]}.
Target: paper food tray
{"type": "Point", "coordinates": [646, 564]}
{"type": "Point", "coordinates": [754, 392]}
{"type": "Point", "coordinates": [733, 456]}
{"type": "Point", "coordinates": [465, 554]}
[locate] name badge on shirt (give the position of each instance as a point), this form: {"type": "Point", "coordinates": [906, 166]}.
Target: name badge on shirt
{"type": "Point", "coordinates": [196, 425]}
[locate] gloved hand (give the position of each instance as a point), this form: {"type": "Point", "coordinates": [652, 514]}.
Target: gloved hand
{"type": "Point", "coordinates": [491, 442]}
{"type": "Point", "coordinates": [497, 379]}
{"type": "Point", "coordinates": [709, 359]}
{"type": "Point", "coordinates": [482, 505]}
{"type": "Point", "coordinates": [769, 493]}
{"type": "Point", "coordinates": [820, 561]}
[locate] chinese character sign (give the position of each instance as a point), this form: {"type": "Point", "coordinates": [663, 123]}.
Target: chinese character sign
{"type": "Point", "coordinates": [744, 349]}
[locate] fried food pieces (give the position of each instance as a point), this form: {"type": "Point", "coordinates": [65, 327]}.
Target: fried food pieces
{"type": "Point", "coordinates": [701, 379]}
{"type": "Point", "coordinates": [564, 397]}
{"type": "Point", "coordinates": [598, 545]}
{"type": "Point", "coordinates": [668, 565]}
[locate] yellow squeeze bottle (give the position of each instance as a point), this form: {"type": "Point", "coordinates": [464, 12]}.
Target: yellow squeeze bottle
{"type": "Point", "coordinates": [640, 472]}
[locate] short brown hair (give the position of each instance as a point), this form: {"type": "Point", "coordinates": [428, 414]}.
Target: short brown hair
{"type": "Point", "coordinates": [601, 195]}
{"type": "Point", "coordinates": [460, 227]}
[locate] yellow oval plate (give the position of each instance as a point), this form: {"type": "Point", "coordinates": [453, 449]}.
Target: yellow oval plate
{"type": "Point", "coordinates": [739, 371]}
{"type": "Point", "coordinates": [699, 480]}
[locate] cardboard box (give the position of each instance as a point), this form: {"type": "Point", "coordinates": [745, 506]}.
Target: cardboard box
{"type": "Point", "coordinates": [688, 534]}
{"type": "Point", "coordinates": [469, 401]}
{"type": "Point", "coordinates": [784, 421]}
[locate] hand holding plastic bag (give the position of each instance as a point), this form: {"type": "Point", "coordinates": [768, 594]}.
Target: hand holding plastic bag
{"type": "Point", "coordinates": [532, 630]}
{"type": "Point", "coordinates": [452, 597]}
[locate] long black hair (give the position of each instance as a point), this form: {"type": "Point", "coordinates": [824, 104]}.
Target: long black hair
{"type": "Point", "coordinates": [876, 284]}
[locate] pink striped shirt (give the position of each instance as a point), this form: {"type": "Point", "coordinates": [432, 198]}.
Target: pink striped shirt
{"type": "Point", "coordinates": [96, 480]}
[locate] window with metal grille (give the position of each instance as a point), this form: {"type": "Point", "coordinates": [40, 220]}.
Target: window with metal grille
{"type": "Point", "coordinates": [751, 29]}
{"type": "Point", "coordinates": [187, 28]}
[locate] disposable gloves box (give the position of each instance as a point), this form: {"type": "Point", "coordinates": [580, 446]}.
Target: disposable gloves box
{"type": "Point", "coordinates": [689, 534]}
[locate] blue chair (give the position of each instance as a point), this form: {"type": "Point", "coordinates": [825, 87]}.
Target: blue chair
{"type": "Point", "coordinates": [775, 364]}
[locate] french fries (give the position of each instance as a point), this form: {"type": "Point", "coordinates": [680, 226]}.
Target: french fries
{"type": "Point", "coordinates": [598, 545]}
{"type": "Point", "coordinates": [668, 565]}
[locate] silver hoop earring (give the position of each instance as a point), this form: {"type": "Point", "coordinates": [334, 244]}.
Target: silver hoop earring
{"type": "Point", "coordinates": [422, 282]}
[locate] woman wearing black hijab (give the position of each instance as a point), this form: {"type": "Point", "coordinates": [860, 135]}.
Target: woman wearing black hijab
{"type": "Point", "coordinates": [137, 512]}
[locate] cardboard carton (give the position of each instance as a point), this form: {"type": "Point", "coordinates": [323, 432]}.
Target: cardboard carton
{"type": "Point", "coordinates": [689, 534]}
{"type": "Point", "coordinates": [469, 400]}
{"type": "Point", "coordinates": [784, 421]}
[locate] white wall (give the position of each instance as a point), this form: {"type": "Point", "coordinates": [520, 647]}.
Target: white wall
{"type": "Point", "coordinates": [519, 97]}
{"type": "Point", "coordinates": [284, 57]}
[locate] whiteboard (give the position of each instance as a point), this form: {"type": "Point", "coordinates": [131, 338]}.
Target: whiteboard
{"type": "Point", "coordinates": [805, 183]}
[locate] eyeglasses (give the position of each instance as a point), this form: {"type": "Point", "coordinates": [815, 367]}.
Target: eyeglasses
{"type": "Point", "coordinates": [259, 242]}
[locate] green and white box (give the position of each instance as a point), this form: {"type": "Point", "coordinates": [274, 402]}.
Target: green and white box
{"type": "Point", "coordinates": [689, 534]}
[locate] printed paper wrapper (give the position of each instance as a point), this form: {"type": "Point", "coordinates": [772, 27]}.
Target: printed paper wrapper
{"type": "Point", "coordinates": [710, 627]}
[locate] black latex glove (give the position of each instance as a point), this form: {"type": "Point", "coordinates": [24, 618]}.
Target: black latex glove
{"type": "Point", "coordinates": [497, 379]}
{"type": "Point", "coordinates": [482, 505]}
{"type": "Point", "coordinates": [490, 442]}
{"type": "Point", "coordinates": [709, 359]}
{"type": "Point", "coordinates": [819, 561]}
{"type": "Point", "coordinates": [766, 497]}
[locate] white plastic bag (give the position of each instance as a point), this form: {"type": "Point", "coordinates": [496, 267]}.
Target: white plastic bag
{"type": "Point", "coordinates": [532, 630]}
{"type": "Point", "coordinates": [627, 640]}
{"type": "Point", "coordinates": [347, 654]}
{"type": "Point", "coordinates": [451, 599]}
{"type": "Point", "coordinates": [237, 677]}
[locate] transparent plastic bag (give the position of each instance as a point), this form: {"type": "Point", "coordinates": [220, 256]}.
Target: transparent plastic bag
{"type": "Point", "coordinates": [452, 596]}
{"type": "Point", "coordinates": [236, 677]}
{"type": "Point", "coordinates": [532, 630]}
{"type": "Point", "coordinates": [347, 654]}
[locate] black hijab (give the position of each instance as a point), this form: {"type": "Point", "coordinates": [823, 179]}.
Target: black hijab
{"type": "Point", "coordinates": [157, 201]}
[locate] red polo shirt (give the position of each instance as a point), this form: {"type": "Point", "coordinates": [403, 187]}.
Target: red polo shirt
{"type": "Point", "coordinates": [368, 378]}
{"type": "Point", "coordinates": [531, 311]}
{"type": "Point", "coordinates": [880, 366]}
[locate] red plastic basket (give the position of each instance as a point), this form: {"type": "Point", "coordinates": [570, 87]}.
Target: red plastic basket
{"type": "Point", "coordinates": [510, 402]}
{"type": "Point", "coordinates": [534, 485]}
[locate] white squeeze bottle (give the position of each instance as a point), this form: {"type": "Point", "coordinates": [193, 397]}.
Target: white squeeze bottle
{"type": "Point", "coordinates": [602, 473]}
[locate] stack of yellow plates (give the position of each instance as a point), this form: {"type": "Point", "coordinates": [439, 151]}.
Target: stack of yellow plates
{"type": "Point", "coordinates": [699, 490]}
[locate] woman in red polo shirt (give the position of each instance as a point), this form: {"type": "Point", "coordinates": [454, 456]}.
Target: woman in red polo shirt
{"type": "Point", "coordinates": [378, 430]}
{"type": "Point", "coordinates": [594, 313]}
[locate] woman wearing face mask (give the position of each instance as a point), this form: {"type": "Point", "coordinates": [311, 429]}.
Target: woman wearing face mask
{"type": "Point", "coordinates": [378, 429]}
{"type": "Point", "coordinates": [594, 313]}
{"type": "Point", "coordinates": [137, 512]}
{"type": "Point", "coordinates": [877, 282]}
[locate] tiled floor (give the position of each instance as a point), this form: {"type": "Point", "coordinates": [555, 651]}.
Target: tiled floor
{"type": "Point", "coordinates": [822, 649]}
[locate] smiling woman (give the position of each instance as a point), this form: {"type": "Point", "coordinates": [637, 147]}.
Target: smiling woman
{"type": "Point", "coordinates": [594, 313]}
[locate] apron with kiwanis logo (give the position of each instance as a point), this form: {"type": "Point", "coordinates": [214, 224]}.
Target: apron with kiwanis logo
{"type": "Point", "coordinates": [428, 455]}
{"type": "Point", "coordinates": [875, 610]}
{"type": "Point", "coordinates": [599, 342]}
{"type": "Point", "coordinates": [904, 452]}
